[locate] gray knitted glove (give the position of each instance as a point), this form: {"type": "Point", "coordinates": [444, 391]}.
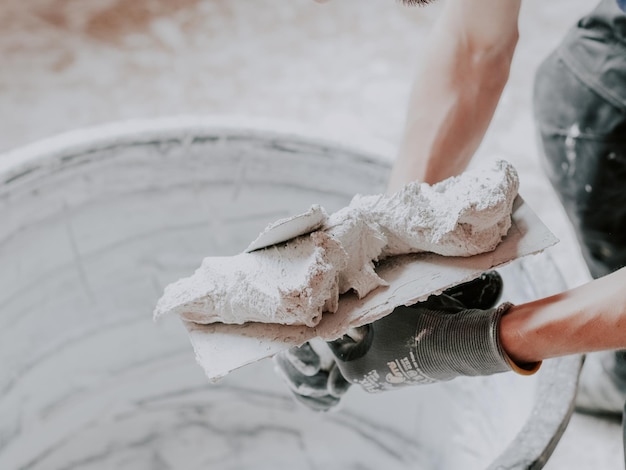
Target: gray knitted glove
{"type": "Point", "coordinates": [432, 341]}
{"type": "Point", "coordinates": [428, 342]}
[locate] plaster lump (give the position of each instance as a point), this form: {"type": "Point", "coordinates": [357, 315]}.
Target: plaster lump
{"type": "Point", "coordinates": [296, 281]}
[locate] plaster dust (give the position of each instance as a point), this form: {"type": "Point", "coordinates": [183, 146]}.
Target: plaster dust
{"type": "Point", "coordinates": [297, 281]}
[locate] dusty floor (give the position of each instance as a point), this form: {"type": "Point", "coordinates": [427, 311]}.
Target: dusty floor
{"type": "Point", "coordinates": [343, 68]}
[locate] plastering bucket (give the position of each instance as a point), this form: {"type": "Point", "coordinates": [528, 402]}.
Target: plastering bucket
{"type": "Point", "coordinates": [95, 223]}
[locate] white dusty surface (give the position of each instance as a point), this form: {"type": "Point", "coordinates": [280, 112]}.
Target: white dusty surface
{"type": "Point", "coordinates": [343, 67]}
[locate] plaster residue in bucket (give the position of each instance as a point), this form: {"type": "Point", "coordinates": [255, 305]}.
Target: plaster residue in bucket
{"type": "Point", "coordinates": [297, 280]}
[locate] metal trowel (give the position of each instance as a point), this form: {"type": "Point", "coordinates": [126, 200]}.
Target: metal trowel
{"type": "Point", "coordinates": [288, 228]}
{"type": "Point", "coordinates": [221, 348]}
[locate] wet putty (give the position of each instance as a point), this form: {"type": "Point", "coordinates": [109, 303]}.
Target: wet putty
{"type": "Point", "coordinates": [295, 282]}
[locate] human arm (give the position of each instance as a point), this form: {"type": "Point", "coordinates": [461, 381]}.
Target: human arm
{"type": "Point", "coordinates": [589, 318]}
{"type": "Point", "coordinates": [457, 89]}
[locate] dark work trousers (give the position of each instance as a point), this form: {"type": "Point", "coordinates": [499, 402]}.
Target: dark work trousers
{"type": "Point", "coordinates": [580, 111]}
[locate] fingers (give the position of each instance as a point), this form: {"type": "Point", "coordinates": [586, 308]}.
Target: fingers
{"type": "Point", "coordinates": [481, 293]}
{"type": "Point", "coordinates": [346, 348]}
{"type": "Point", "coordinates": [304, 359]}
{"type": "Point", "coordinates": [314, 385]}
{"type": "Point", "coordinates": [318, 388]}
{"type": "Point", "coordinates": [337, 387]}
{"type": "Point", "coordinates": [337, 384]}
{"type": "Point", "coordinates": [325, 403]}
{"type": "Point", "coordinates": [320, 347]}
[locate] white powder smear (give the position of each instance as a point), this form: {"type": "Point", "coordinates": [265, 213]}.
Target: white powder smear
{"type": "Point", "coordinates": [295, 282]}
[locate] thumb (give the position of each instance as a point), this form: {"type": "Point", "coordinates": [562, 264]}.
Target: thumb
{"type": "Point", "coordinates": [353, 345]}
{"type": "Point", "coordinates": [442, 303]}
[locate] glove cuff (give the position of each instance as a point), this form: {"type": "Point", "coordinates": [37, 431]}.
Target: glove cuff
{"type": "Point", "coordinates": [522, 369]}
{"type": "Point", "coordinates": [468, 345]}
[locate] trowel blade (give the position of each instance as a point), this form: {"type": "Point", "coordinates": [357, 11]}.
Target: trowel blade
{"type": "Point", "coordinates": [288, 228]}
{"type": "Point", "coordinates": [222, 348]}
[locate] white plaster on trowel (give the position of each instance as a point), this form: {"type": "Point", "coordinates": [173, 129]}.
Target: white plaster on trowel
{"type": "Point", "coordinates": [296, 282]}
{"type": "Point", "coordinates": [221, 348]}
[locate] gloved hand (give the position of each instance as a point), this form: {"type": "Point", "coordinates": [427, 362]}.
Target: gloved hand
{"type": "Point", "coordinates": [312, 374]}
{"type": "Point", "coordinates": [431, 341]}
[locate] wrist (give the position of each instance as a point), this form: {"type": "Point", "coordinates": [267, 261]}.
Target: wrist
{"type": "Point", "coordinates": [516, 337]}
{"type": "Point", "coordinates": [494, 326]}
{"type": "Point", "coordinates": [519, 363]}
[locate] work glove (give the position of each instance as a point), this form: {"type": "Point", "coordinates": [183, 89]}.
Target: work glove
{"type": "Point", "coordinates": [431, 341]}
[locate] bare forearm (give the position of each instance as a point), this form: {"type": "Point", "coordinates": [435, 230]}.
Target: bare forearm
{"type": "Point", "coordinates": [456, 92]}
{"type": "Point", "coordinates": [586, 319]}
